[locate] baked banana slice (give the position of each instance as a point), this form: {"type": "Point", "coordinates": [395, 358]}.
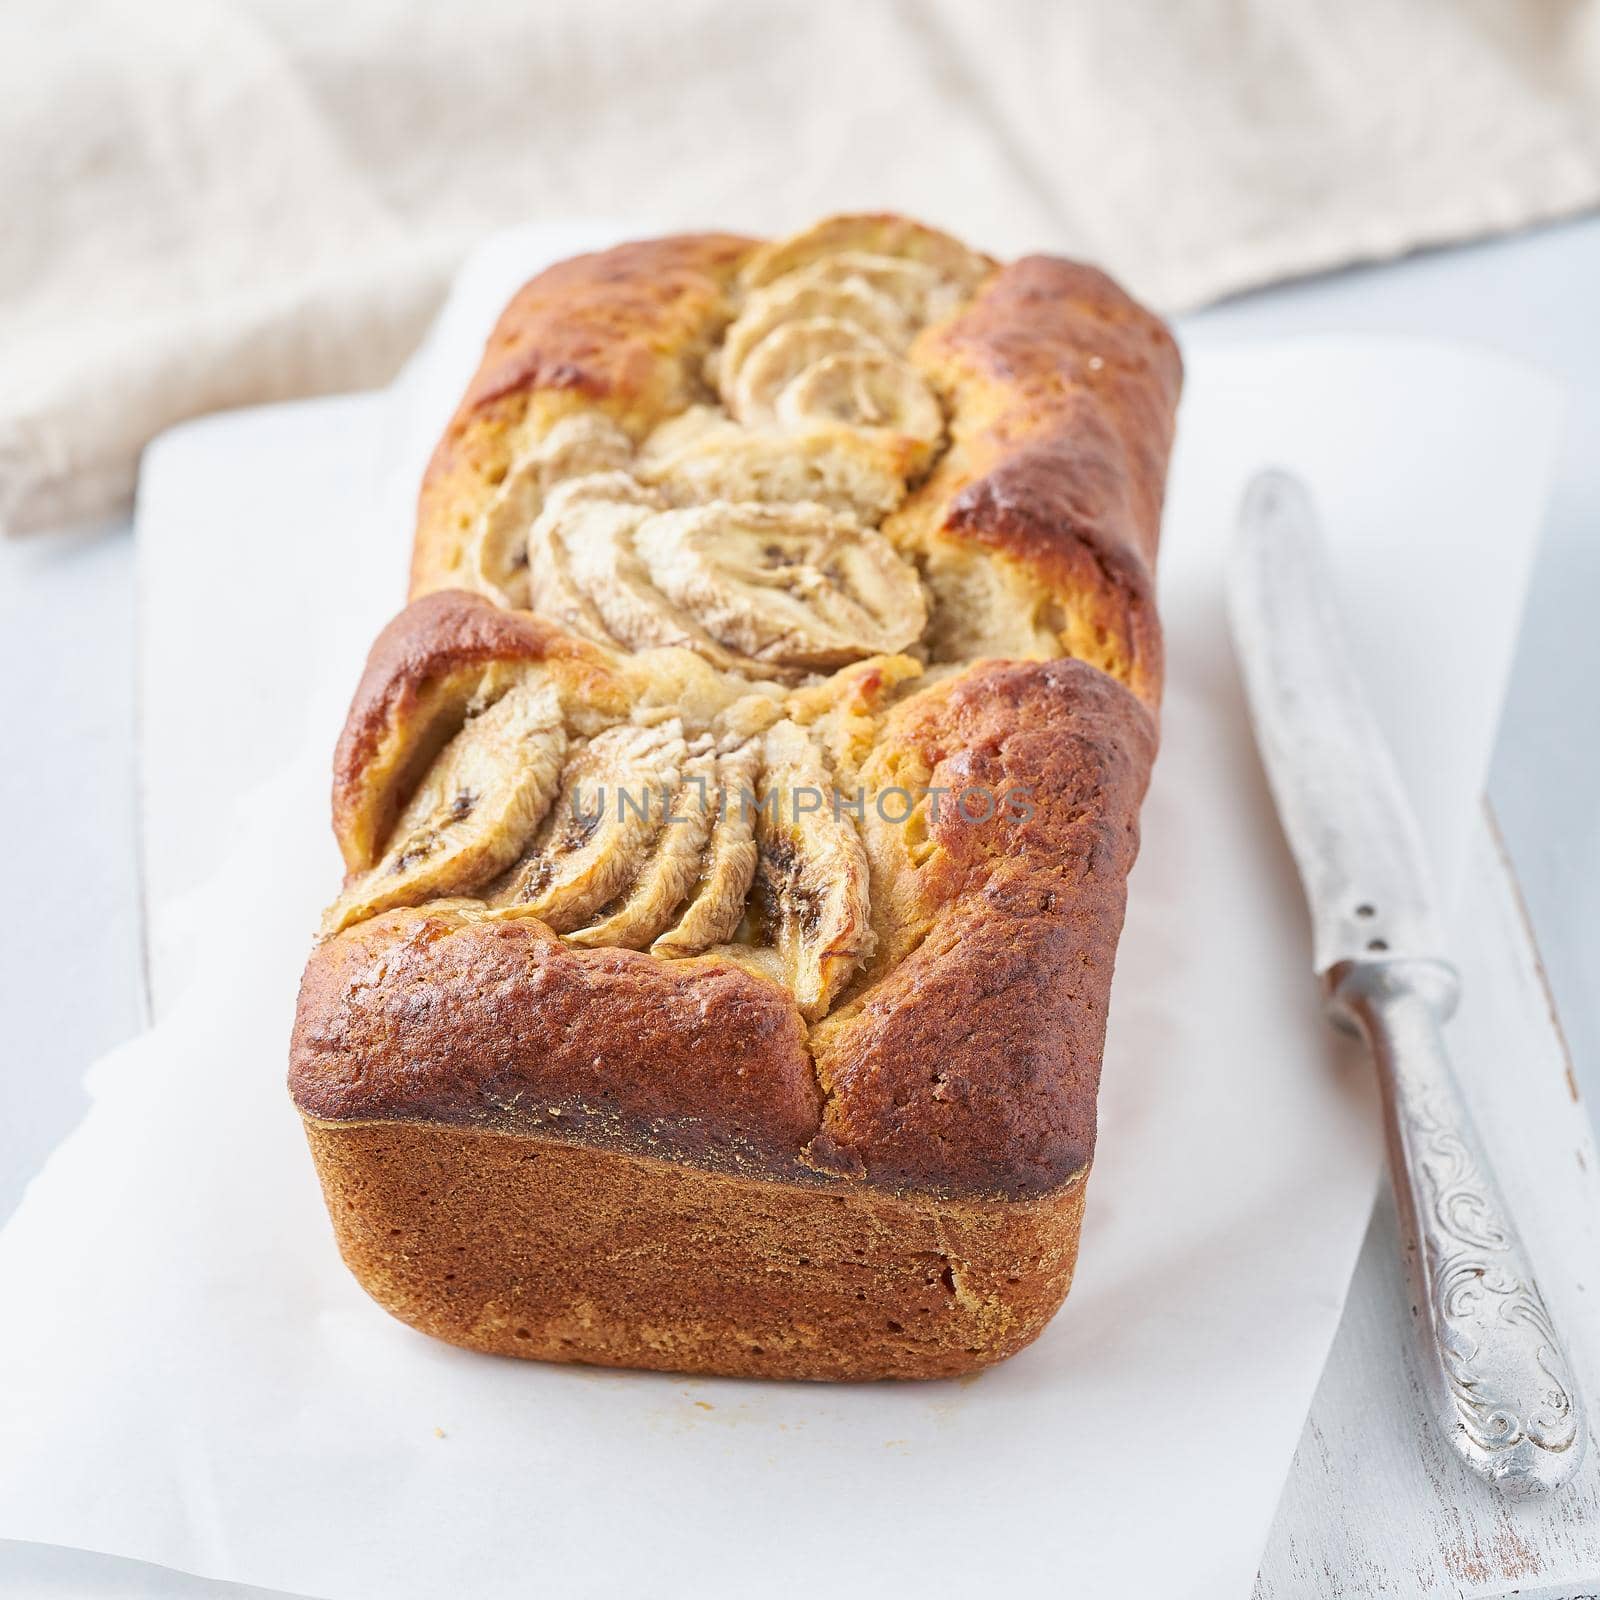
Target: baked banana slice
{"type": "Point", "coordinates": [601, 829]}
{"type": "Point", "coordinates": [812, 883]}
{"type": "Point", "coordinates": [804, 295]}
{"type": "Point", "coordinates": [923, 292]}
{"type": "Point", "coordinates": [728, 865]}
{"type": "Point", "coordinates": [602, 510]}
{"type": "Point", "coordinates": [792, 586]}
{"type": "Point", "coordinates": [671, 868]}
{"type": "Point", "coordinates": [786, 353]}
{"type": "Point", "coordinates": [585, 442]}
{"type": "Point", "coordinates": [475, 810]}
{"type": "Point", "coordinates": [703, 455]}
{"type": "Point", "coordinates": [586, 574]}
{"type": "Point", "coordinates": [866, 389]}
{"type": "Point", "coordinates": [896, 237]}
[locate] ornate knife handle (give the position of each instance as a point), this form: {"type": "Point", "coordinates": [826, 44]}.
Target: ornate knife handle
{"type": "Point", "coordinates": [1500, 1382]}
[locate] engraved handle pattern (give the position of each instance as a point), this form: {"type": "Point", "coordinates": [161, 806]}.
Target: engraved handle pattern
{"type": "Point", "coordinates": [1490, 1356]}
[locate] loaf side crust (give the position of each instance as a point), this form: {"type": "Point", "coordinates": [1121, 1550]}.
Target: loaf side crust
{"type": "Point", "coordinates": [521, 1246]}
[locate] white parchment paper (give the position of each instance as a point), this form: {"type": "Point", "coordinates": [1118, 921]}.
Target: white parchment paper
{"type": "Point", "coordinates": [190, 1376]}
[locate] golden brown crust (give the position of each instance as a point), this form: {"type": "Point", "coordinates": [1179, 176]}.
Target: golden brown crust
{"type": "Point", "coordinates": [970, 1068]}
{"type": "Point", "coordinates": [521, 1246]}
{"type": "Point", "coordinates": [431, 1015]}
{"type": "Point", "coordinates": [973, 1065]}
{"type": "Point", "coordinates": [1063, 394]}
{"type": "Point", "coordinates": [623, 331]}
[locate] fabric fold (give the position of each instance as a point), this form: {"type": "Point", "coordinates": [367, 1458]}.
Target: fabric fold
{"type": "Point", "coordinates": [220, 202]}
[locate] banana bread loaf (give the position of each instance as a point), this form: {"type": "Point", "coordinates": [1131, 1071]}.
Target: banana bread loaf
{"type": "Point", "coordinates": [738, 818]}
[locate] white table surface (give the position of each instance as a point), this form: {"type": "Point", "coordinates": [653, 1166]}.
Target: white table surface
{"type": "Point", "coordinates": [71, 950]}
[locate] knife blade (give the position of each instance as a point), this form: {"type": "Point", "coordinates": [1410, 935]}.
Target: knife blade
{"type": "Point", "coordinates": [1491, 1361]}
{"type": "Point", "coordinates": [1338, 794]}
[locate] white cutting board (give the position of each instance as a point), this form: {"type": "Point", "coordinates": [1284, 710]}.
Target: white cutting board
{"type": "Point", "coordinates": [1370, 1493]}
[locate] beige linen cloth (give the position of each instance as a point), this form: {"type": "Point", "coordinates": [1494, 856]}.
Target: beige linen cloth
{"type": "Point", "coordinates": [214, 202]}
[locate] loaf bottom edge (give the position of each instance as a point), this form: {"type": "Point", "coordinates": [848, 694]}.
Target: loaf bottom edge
{"type": "Point", "coordinates": [524, 1246]}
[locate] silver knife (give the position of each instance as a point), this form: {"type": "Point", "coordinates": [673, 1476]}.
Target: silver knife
{"type": "Point", "coordinates": [1492, 1364]}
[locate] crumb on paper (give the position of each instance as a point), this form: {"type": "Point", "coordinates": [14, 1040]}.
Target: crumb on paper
{"type": "Point", "coordinates": [439, 1433]}
{"type": "Point", "coordinates": [705, 1405]}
